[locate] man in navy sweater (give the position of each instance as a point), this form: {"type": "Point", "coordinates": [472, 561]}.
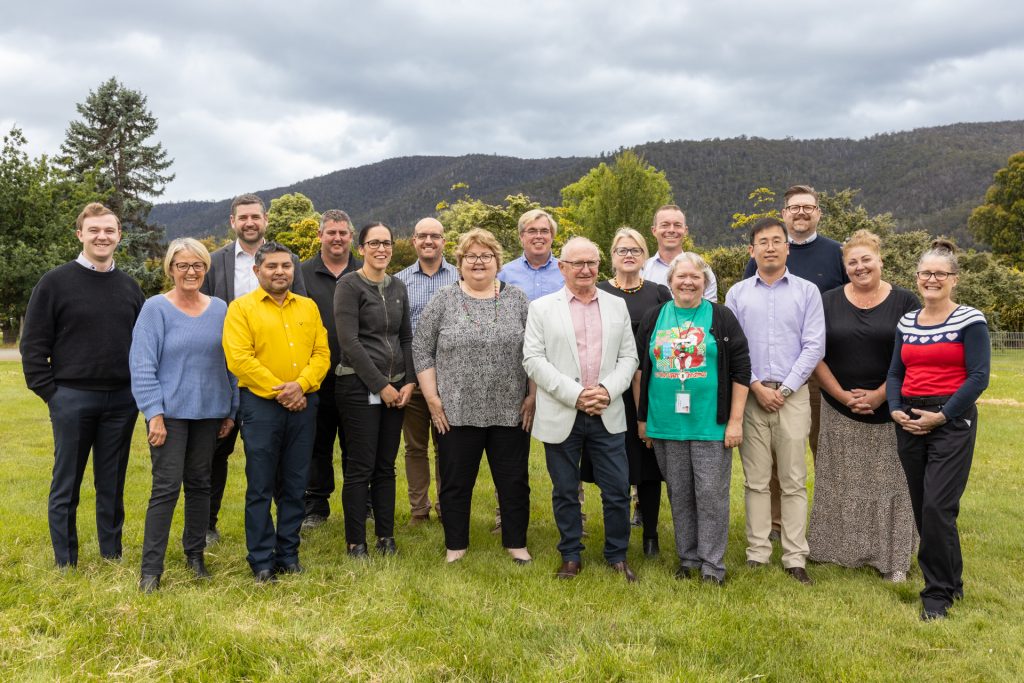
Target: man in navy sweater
{"type": "Point", "coordinates": [816, 258]}
{"type": "Point", "coordinates": [74, 351]}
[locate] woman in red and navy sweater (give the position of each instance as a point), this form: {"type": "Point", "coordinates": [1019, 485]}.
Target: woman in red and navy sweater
{"type": "Point", "coordinates": [940, 366]}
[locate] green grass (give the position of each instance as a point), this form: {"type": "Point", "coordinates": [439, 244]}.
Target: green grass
{"type": "Point", "coordinates": [413, 618]}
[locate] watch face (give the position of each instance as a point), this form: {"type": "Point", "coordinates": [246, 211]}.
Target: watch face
{"type": "Point", "coordinates": [786, 391]}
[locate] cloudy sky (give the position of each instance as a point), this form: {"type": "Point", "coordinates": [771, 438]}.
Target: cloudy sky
{"type": "Point", "coordinates": [261, 94]}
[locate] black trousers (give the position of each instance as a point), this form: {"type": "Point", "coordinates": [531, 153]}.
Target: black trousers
{"type": "Point", "coordinates": [372, 437]}
{"type": "Point", "coordinates": [937, 465]}
{"type": "Point", "coordinates": [184, 458]}
{"type": "Point", "coordinates": [83, 421]}
{"type": "Point", "coordinates": [219, 470]}
{"type": "Point", "coordinates": [321, 467]}
{"type": "Point", "coordinates": [508, 455]}
{"type": "Point", "coordinates": [648, 499]}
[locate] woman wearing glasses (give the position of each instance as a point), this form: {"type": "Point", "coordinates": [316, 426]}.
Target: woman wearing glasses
{"type": "Point", "coordinates": [629, 253]}
{"type": "Point", "coordinates": [375, 379]}
{"type": "Point", "coordinates": [939, 368]}
{"type": "Point", "coordinates": [468, 350]}
{"type": "Point", "coordinates": [183, 388]}
{"type": "Point", "coordinates": [861, 514]}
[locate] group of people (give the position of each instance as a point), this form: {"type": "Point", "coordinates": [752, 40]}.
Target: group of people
{"type": "Point", "coordinates": [632, 381]}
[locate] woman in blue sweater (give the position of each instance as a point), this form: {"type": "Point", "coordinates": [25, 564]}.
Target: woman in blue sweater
{"type": "Point", "coordinates": [183, 388]}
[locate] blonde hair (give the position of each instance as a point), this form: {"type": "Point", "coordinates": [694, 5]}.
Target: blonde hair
{"type": "Point", "coordinates": [532, 215]}
{"type": "Point", "coordinates": [863, 238]}
{"type": "Point", "coordinates": [626, 231]}
{"type": "Point", "coordinates": [695, 260]}
{"type": "Point", "coordinates": [93, 210]}
{"type": "Point", "coordinates": [485, 238]}
{"type": "Point", "coordinates": [185, 244]}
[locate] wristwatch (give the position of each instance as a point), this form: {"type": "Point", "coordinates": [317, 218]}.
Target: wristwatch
{"type": "Point", "coordinates": [785, 391]}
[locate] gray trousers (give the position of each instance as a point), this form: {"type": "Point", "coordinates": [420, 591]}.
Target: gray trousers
{"type": "Point", "coordinates": [697, 475]}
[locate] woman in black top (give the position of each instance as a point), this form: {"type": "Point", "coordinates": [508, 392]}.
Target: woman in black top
{"type": "Point", "coordinates": [629, 252]}
{"type": "Point", "coordinates": [374, 382]}
{"type": "Point", "coordinates": [862, 513]}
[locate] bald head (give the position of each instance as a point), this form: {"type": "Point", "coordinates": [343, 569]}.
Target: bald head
{"type": "Point", "coordinates": [428, 241]}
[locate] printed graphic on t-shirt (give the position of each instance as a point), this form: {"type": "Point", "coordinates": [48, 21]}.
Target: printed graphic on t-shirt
{"type": "Point", "coordinates": [680, 353]}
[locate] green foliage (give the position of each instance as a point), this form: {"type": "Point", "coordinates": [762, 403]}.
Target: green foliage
{"type": "Point", "coordinates": [403, 255]}
{"type": "Point", "coordinates": [502, 220]}
{"type": "Point", "coordinates": [763, 204]}
{"type": "Point", "coordinates": [286, 211]}
{"type": "Point", "coordinates": [625, 193]}
{"type": "Point", "coordinates": [999, 222]}
{"type": "Point", "coordinates": [301, 237]}
{"type": "Point", "coordinates": [727, 263]}
{"type": "Point", "coordinates": [840, 218]}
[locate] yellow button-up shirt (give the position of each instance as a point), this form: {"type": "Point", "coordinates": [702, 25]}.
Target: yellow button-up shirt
{"type": "Point", "coordinates": [267, 344]}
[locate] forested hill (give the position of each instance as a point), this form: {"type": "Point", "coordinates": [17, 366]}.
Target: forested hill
{"type": "Point", "coordinates": [929, 178]}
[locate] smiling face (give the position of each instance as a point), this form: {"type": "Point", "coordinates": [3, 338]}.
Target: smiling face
{"type": "Point", "coordinates": [249, 223]}
{"type": "Point", "coordinates": [335, 240]}
{"type": "Point", "coordinates": [669, 229]}
{"type": "Point", "coordinates": [932, 290]}
{"type": "Point", "coordinates": [770, 250]}
{"type": "Point", "coordinates": [801, 215]}
{"type": "Point", "coordinates": [275, 273]}
{"type": "Point", "coordinates": [863, 267]}
{"type": "Point", "coordinates": [191, 279]}
{"type": "Point", "coordinates": [99, 236]}
{"type": "Point", "coordinates": [377, 257]}
{"type": "Point", "coordinates": [687, 284]}
{"type": "Point", "coordinates": [428, 240]}
{"type": "Point", "coordinates": [627, 257]}
{"type": "Point", "coordinates": [536, 239]}
{"type": "Point", "coordinates": [579, 265]}
{"type": "Point", "coordinates": [479, 265]}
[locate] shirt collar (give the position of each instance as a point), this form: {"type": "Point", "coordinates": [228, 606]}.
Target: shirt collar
{"type": "Point", "coordinates": [263, 295]}
{"type": "Point", "coordinates": [86, 263]}
{"type": "Point", "coordinates": [569, 296]}
{"type": "Point", "coordinates": [417, 267]}
{"type": "Point", "coordinates": [806, 241]}
{"type": "Point", "coordinates": [551, 260]}
{"type": "Point", "coordinates": [785, 277]}
{"type": "Point", "coordinates": [239, 250]}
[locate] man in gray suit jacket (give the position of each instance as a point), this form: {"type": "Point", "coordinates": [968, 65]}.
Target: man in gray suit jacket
{"type": "Point", "coordinates": [231, 275]}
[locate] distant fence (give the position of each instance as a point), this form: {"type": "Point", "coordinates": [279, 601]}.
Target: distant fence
{"type": "Point", "coordinates": [1005, 342]}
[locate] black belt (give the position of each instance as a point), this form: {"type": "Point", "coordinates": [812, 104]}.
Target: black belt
{"type": "Point", "coordinates": [926, 401]}
{"type": "Point", "coordinates": [771, 385]}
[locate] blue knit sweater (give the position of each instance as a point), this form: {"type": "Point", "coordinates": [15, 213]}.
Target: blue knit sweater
{"type": "Point", "coordinates": [177, 363]}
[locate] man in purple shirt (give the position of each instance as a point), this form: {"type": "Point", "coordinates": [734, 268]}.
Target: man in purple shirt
{"type": "Point", "coordinates": [781, 315]}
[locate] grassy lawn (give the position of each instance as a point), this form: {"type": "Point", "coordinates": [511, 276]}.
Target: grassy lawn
{"type": "Point", "coordinates": [413, 618]}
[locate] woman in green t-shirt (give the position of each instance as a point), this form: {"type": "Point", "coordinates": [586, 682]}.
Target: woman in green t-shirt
{"type": "Point", "coordinates": [690, 391]}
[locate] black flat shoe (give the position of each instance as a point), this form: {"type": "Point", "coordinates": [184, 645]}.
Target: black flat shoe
{"type": "Point", "coordinates": [521, 561]}
{"type": "Point", "coordinates": [149, 583]}
{"type": "Point", "coordinates": [651, 547]}
{"type": "Point", "coordinates": [358, 551]}
{"type": "Point", "coordinates": [386, 546]}
{"type": "Point", "coordinates": [713, 580]}
{"type": "Point", "coordinates": [290, 568]}
{"type": "Point", "coordinates": [265, 576]}
{"type": "Point", "coordinates": [683, 573]}
{"type": "Point", "coordinates": [198, 566]}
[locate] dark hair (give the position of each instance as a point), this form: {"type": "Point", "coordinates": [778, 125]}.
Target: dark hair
{"type": "Point", "coordinates": [944, 249]}
{"type": "Point", "coordinates": [247, 199]}
{"type": "Point", "coordinates": [270, 248]}
{"type": "Point", "coordinates": [336, 216]}
{"type": "Point", "coordinates": [767, 223]}
{"type": "Point", "coordinates": [366, 228]}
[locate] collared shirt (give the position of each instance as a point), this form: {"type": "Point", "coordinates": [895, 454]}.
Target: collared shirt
{"type": "Point", "coordinates": [267, 345]}
{"type": "Point", "coordinates": [784, 324]}
{"type": "Point", "coordinates": [536, 282]}
{"type": "Point", "coordinates": [586, 322]}
{"type": "Point", "coordinates": [810, 239]}
{"type": "Point", "coordinates": [422, 287]}
{"type": "Point", "coordinates": [656, 271]}
{"type": "Point", "coordinates": [320, 285]}
{"type": "Point", "coordinates": [245, 276]}
{"type": "Point", "coordinates": [86, 263]}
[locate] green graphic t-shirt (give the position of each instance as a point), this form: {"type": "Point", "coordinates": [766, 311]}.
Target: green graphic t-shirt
{"type": "Point", "coordinates": [684, 358]}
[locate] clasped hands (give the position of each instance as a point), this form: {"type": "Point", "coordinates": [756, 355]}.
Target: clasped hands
{"type": "Point", "coordinates": [863, 401]}
{"type": "Point", "coordinates": [593, 400]}
{"type": "Point", "coordinates": [291, 396]}
{"type": "Point", "coordinates": [924, 423]}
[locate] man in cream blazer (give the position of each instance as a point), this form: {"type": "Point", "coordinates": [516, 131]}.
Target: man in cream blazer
{"type": "Point", "coordinates": [579, 349]}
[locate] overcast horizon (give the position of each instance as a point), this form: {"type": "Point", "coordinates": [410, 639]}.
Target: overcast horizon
{"type": "Point", "coordinates": [252, 97]}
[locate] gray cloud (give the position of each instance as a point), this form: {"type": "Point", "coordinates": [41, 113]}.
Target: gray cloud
{"type": "Point", "coordinates": [258, 95]}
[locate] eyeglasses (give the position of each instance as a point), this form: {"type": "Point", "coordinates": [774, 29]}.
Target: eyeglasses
{"type": "Point", "coordinates": [479, 258]}
{"type": "Point", "coordinates": [537, 232]}
{"type": "Point", "coordinates": [429, 237]}
{"type": "Point", "coordinates": [801, 208]}
{"type": "Point", "coordinates": [199, 267]}
{"type": "Point", "coordinates": [378, 244]}
{"type": "Point", "coordinates": [765, 243]}
{"type": "Point", "coordinates": [580, 265]}
{"type": "Point", "coordinates": [926, 275]}
{"type": "Point", "coordinates": [627, 251]}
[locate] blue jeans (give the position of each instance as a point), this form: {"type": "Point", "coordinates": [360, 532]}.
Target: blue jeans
{"type": "Point", "coordinates": [278, 446]}
{"type": "Point", "coordinates": [611, 473]}
{"type": "Point", "coordinates": [103, 422]}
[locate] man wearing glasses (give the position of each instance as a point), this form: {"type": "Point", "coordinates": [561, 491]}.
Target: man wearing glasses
{"type": "Point", "coordinates": [579, 349]}
{"type": "Point", "coordinates": [536, 272]}
{"type": "Point", "coordinates": [422, 279]}
{"type": "Point", "coordinates": [670, 229]}
{"type": "Point", "coordinates": [321, 274]}
{"type": "Point", "coordinates": [231, 276]}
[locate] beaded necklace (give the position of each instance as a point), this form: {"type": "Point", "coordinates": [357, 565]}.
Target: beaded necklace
{"type": "Point", "coordinates": [629, 290]}
{"type": "Point", "coordinates": [465, 307]}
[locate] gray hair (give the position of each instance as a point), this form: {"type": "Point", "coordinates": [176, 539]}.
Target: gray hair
{"type": "Point", "coordinates": [693, 259]}
{"type": "Point", "coordinates": [532, 215]}
{"type": "Point", "coordinates": [574, 242]}
{"type": "Point", "coordinates": [336, 216]}
{"type": "Point", "coordinates": [943, 249]}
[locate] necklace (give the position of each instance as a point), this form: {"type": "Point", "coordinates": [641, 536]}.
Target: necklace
{"type": "Point", "coordinates": [871, 301]}
{"type": "Point", "coordinates": [465, 307]}
{"type": "Point", "coordinates": [627, 290]}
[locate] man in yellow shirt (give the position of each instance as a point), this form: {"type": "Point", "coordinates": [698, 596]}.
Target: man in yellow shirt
{"type": "Point", "coordinates": [276, 344]}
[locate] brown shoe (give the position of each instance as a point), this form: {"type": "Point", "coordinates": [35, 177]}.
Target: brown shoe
{"type": "Point", "coordinates": [568, 570]}
{"type": "Point", "coordinates": [416, 520]}
{"type": "Point", "coordinates": [800, 574]}
{"type": "Point", "coordinates": [623, 568]}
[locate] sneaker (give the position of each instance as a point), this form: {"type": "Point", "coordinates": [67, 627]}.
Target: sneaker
{"type": "Point", "coordinates": [212, 537]}
{"type": "Point", "coordinates": [312, 522]}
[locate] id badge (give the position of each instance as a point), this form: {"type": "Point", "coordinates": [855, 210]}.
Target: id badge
{"type": "Point", "coordinates": [683, 403]}
{"type": "Point", "coordinates": [374, 399]}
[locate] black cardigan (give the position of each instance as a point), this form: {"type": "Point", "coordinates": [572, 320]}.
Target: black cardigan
{"type": "Point", "coordinates": [733, 356]}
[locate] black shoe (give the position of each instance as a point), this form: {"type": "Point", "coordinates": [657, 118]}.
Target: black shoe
{"type": "Point", "coordinates": [932, 615]}
{"type": "Point", "coordinates": [149, 583]}
{"type": "Point", "coordinates": [712, 580]}
{"type": "Point", "coordinates": [112, 557]}
{"type": "Point", "coordinates": [265, 576]}
{"type": "Point", "coordinates": [800, 574]}
{"type": "Point", "coordinates": [65, 567]}
{"type": "Point", "coordinates": [198, 566]}
{"type": "Point", "coordinates": [386, 546]}
{"type": "Point", "coordinates": [638, 517]}
{"type": "Point", "coordinates": [775, 536]}
{"type": "Point", "coordinates": [212, 536]}
{"type": "Point", "coordinates": [521, 561]}
{"type": "Point", "coordinates": [290, 568]}
{"type": "Point", "coordinates": [358, 551]}
{"type": "Point", "coordinates": [754, 564]}
{"type": "Point", "coordinates": [312, 522]}
{"type": "Point", "coordinates": [651, 547]}
{"type": "Point", "coordinates": [683, 573]}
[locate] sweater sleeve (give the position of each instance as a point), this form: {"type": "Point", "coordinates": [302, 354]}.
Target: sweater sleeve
{"type": "Point", "coordinates": [144, 359]}
{"type": "Point", "coordinates": [37, 340]}
{"type": "Point", "coordinates": [346, 317]}
{"type": "Point", "coordinates": [894, 380]}
{"type": "Point", "coordinates": [977, 358]}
